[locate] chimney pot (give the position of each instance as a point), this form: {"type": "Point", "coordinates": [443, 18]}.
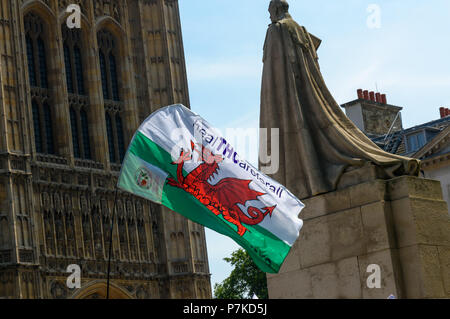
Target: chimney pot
{"type": "Point", "coordinates": [378, 97]}
{"type": "Point", "coordinates": [442, 111]}
{"type": "Point", "coordinates": [447, 112]}
{"type": "Point", "coordinates": [360, 94]}
{"type": "Point", "coordinates": [372, 96]}
{"type": "Point", "coordinates": [366, 95]}
{"type": "Point", "coordinates": [383, 99]}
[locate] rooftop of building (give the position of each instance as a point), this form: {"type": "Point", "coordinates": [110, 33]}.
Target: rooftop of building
{"type": "Point", "coordinates": [413, 141]}
{"type": "Point", "coordinates": [408, 141]}
{"type": "Point", "coordinates": [372, 98]}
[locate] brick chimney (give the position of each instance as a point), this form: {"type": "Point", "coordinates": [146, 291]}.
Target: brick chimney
{"type": "Point", "coordinates": [444, 112]}
{"type": "Point", "coordinates": [372, 115]}
{"type": "Point", "coordinates": [378, 97]}
{"type": "Point", "coordinates": [371, 96]}
{"type": "Point", "coordinates": [360, 94]}
{"type": "Point", "coordinates": [366, 95]}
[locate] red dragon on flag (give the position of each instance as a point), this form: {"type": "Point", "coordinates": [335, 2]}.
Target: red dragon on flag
{"type": "Point", "coordinates": [223, 197]}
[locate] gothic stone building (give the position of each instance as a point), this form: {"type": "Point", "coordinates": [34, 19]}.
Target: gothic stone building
{"type": "Point", "coordinates": [70, 101]}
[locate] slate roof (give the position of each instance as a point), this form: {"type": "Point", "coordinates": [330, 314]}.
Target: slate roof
{"type": "Point", "coordinates": [395, 143]}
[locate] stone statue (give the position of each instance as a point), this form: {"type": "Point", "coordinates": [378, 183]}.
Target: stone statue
{"type": "Point", "coordinates": [318, 143]}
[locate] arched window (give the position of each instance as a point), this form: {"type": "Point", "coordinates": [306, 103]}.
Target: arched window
{"type": "Point", "coordinates": [35, 36]}
{"type": "Point", "coordinates": [108, 65]}
{"type": "Point", "coordinates": [78, 100]}
{"type": "Point", "coordinates": [73, 60]}
{"type": "Point", "coordinates": [110, 75]}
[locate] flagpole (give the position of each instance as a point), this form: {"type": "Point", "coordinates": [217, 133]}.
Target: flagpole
{"type": "Point", "coordinates": [110, 243]}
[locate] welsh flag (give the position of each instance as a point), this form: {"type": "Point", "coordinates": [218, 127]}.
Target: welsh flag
{"type": "Point", "coordinates": [178, 160]}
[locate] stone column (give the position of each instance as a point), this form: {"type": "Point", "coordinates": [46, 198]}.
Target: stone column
{"type": "Point", "coordinates": [401, 225]}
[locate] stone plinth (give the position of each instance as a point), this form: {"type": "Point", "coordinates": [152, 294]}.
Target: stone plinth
{"type": "Point", "coordinates": [402, 225]}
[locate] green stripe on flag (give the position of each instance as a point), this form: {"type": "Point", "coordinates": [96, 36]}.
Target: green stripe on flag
{"type": "Point", "coordinates": [266, 249]}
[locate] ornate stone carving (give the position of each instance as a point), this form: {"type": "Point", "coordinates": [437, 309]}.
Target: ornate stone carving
{"type": "Point", "coordinates": [5, 256]}
{"type": "Point", "coordinates": [111, 8]}
{"type": "Point", "coordinates": [58, 290]}
{"type": "Point", "coordinates": [63, 4]}
{"type": "Point", "coordinates": [26, 256]}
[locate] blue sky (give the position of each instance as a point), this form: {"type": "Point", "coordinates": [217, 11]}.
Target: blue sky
{"type": "Point", "coordinates": [407, 58]}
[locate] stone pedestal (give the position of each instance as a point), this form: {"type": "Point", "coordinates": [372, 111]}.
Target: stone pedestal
{"type": "Point", "coordinates": [401, 225]}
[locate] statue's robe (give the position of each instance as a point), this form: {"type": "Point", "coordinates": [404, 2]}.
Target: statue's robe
{"type": "Point", "coordinates": [318, 143]}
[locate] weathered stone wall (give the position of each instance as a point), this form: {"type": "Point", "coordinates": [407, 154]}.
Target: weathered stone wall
{"type": "Point", "coordinates": [402, 225]}
{"type": "Point", "coordinates": [378, 119]}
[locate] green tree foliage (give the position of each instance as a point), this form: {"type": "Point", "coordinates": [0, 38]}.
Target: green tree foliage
{"type": "Point", "coordinates": [245, 281]}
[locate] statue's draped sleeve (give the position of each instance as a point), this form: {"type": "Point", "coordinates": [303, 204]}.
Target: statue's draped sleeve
{"type": "Point", "coordinates": [317, 141]}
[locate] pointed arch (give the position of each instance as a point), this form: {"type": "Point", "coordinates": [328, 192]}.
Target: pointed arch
{"type": "Point", "coordinates": [97, 289]}
{"type": "Point", "coordinates": [112, 64]}
{"type": "Point", "coordinates": [110, 24]}
{"type": "Point", "coordinates": [37, 33]}
{"type": "Point", "coordinates": [41, 8]}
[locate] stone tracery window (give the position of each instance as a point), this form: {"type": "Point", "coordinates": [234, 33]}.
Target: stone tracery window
{"type": "Point", "coordinates": [110, 70]}
{"type": "Point", "coordinates": [35, 36]}
{"type": "Point", "coordinates": [78, 100]}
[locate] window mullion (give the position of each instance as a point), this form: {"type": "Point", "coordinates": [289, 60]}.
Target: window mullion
{"type": "Point", "coordinates": [42, 127]}
{"type": "Point", "coordinates": [37, 71]}
{"type": "Point", "coordinates": [76, 90]}
{"type": "Point", "coordinates": [116, 140]}
{"type": "Point", "coordinates": [80, 134]}
{"type": "Point", "coordinates": [109, 77]}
